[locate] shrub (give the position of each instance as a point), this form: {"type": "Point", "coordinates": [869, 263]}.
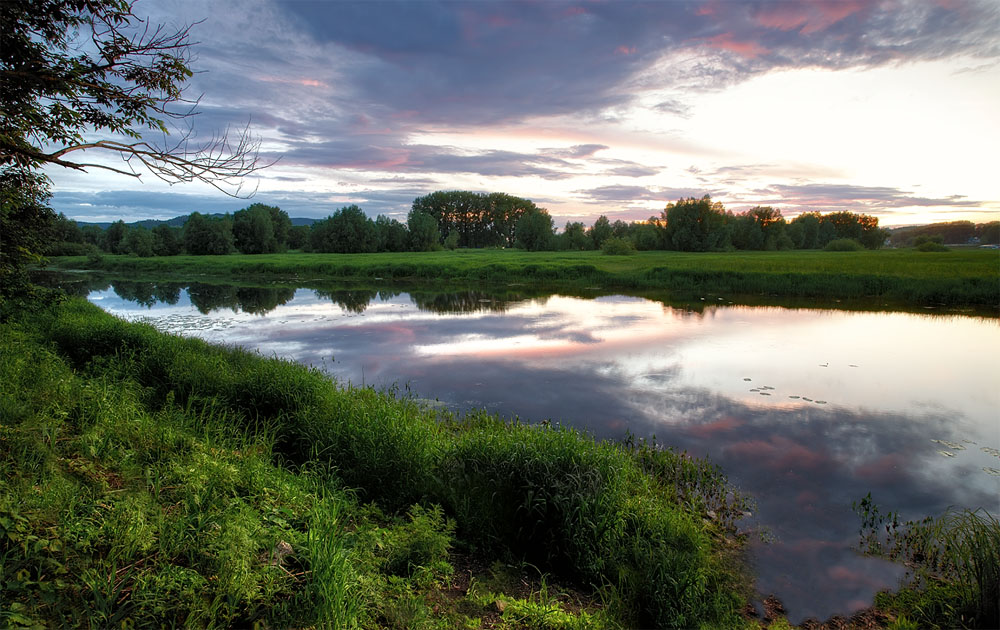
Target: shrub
{"type": "Point", "coordinates": [931, 246]}
{"type": "Point", "coordinates": [844, 245]}
{"type": "Point", "coordinates": [616, 246]}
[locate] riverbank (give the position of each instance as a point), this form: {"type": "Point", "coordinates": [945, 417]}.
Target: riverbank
{"type": "Point", "coordinates": [165, 481]}
{"type": "Point", "coordinates": [958, 278]}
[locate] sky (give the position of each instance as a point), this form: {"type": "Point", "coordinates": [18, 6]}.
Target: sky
{"type": "Point", "coordinates": [591, 107]}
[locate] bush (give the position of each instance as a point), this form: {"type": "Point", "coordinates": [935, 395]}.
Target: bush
{"type": "Point", "coordinates": [931, 246]}
{"type": "Point", "coordinates": [844, 245]}
{"type": "Point", "coordinates": [616, 246]}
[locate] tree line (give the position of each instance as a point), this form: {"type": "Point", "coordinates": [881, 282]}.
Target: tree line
{"type": "Point", "coordinates": [463, 219]}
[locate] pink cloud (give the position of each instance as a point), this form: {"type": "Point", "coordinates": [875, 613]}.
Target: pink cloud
{"type": "Point", "coordinates": [810, 17]}
{"type": "Point", "coordinates": [625, 50]}
{"type": "Point", "coordinates": [725, 41]}
{"type": "Point", "coordinates": [781, 453]}
{"type": "Point", "coordinates": [726, 423]}
{"type": "Point", "coordinates": [885, 468]}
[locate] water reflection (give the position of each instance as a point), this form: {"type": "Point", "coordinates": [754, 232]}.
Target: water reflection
{"type": "Point", "coordinates": [807, 410]}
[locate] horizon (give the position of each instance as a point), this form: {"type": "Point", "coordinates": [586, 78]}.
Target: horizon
{"type": "Point", "coordinates": [589, 108]}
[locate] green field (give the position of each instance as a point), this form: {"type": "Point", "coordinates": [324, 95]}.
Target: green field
{"type": "Point", "coordinates": [904, 277]}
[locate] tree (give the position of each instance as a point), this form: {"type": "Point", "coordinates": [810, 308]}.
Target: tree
{"type": "Point", "coordinates": [425, 235]}
{"type": "Point", "coordinates": [208, 237]}
{"type": "Point", "coordinates": [600, 231]}
{"type": "Point", "coordinates": [113, 237]}
{"type": "Point", "coordinates": [70, 68]}
{"type": "Point", "coordinates": [166, 240]}
{"type": "Point", "coordinates": [253, 231]}
{"type": "Point", "coordinates": [346, 231]}
{"type": "Point", "coordinates": [26, 220]}
{"type": "Point", "coordinates": [696, 225]}
{"type": "Point", "coordinates": [761, 227]}
{"type": "Point", "coordinates": [574, 236]}
{"type": "Point", "coordinates": [534, 231]}
{"type": "Point", "coordinates": [392, 235]}
{"type": "Point", "coordinates": [138, 241]}
{"type": "Point", "coordinates": [298, 236]}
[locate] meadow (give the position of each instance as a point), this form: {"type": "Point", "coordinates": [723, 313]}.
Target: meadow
{"type": "Point", "coordinates": [960, 277]}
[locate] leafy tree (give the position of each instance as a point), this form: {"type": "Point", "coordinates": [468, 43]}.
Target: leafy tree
{"type": "Point", "coordinates": [761, 227]}
{"type": "Point", "coordinates": [534, 230]}
{"type": "Point", "coordinates": [138, 241]}
{"type": "Point", "coordinates": [989, 233]}
{"type": "Point", "coordinates": [114, 236]}
{"type": "Point", "coordinates": [298, 236]}
{"type": "Point", "coordinates": [346, 231]}
{"type": "Point", "coordinates": [26, 222]}
{"type": "Point", "coordinates": [481, 220]}
{"type": "Point", "coordinates": [92, 235]}
{"type": "Point", "coordinates": [392, 235]}
{"type": "Point", "coordinates": [451, 241]}
{"type": "Point", "coordinates": [620, 229]}
{"type": "Point", "coordinates": [600, 231]}
{"type": "Point", "coordinates": [804, 230]}
{"type": "Point", "coordinates": [166, 240]}
{"type": "Point", "coordinates": [253, 231]}
{"type": "Point", "coordinates": [425, 235]}
{"type": "Point", "coordinates": [574, 237]}
{"type": "Point", "coordinates": [696, 225]}
{"type": "Point", "coordinates": [646, 234]}
{"type": "Point", "coordinates": [207, 237]}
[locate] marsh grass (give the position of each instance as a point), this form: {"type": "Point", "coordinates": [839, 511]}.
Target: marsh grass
{"type": "Point", "coordinates": [954, 561]}
{"type": "Point", "coordinates": [162, 481]}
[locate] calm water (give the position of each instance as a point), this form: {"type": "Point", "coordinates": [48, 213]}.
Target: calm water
{"type": "Point", "coordinates": [807, 410]}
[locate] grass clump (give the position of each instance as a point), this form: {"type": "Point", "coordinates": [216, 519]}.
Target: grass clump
{"type": "Point", "coordinates": [844, 245]}
{"type": "Point", "coordinates": [954, 561]}
{"type": "Point", "coordinates": [155, 480]}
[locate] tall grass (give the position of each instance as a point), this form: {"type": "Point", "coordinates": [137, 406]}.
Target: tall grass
{"type": "Point", "coordinates": [954, 559]}
{"type": "Point", "coordinates": [207, 419]}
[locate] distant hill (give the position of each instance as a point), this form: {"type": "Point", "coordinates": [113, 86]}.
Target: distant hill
{"type": "Point", "coordinates": [951, 233]}
{"type": "Point", "coordinates": [179, 221]}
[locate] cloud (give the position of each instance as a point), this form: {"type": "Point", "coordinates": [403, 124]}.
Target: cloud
{"type": "Point", "coordinates": [632, 194]}
{"type": "Point", "coordinates": [846, 197]}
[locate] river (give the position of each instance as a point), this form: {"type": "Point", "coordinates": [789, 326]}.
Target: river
{"type": "Point", "coordinates": [805, 409]}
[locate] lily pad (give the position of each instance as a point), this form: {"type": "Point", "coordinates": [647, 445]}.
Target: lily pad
{"type": "Point", "coordinates": [991, 471]}
{"type": "Point", "coordinates": [947, 453]}
{"type": "Point", "coordinates": [990, 451]}
{"type": "Point", "coordinates": [793, 397]}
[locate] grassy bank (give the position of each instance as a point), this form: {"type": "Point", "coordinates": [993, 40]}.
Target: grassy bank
{"type": "Point", "coordinates": [954, 278]}
{"type": "Point", "coordinates": [158, 481]}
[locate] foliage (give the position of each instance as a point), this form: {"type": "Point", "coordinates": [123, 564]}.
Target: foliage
{"type": "Point", "coordinates": [424, 233]}
{"type": "Point", "coordinates": [574, 237]}
{"type": "Point", "coordinates": [167, 240]}
{"type": "Point", "coordinates": [931, 246]}
{"type": "Point", "coordinates": [761, 227]}
{"type": "Point", "coordinates": [451, 241]}
{"type": "Point", "coordinates": [26, 222]}
{"type": "Point", "coordinates": [695, 225]}
{"type": "Point", "coordinates": [615, 246]}
{"type": "Point", "coordinates": [113, 239]}
{"type": "Point", "coordinates": [479, 219]}
{"type": "Point", "coordinates": [600, 231]}
{"type": "Point", "coordinates": [534, 231]}
{"type": "Point", "coordinates": [392, 235]}
{"type": "Point", "coordinates": [139, 241]}
{"type": "Point", "coordinates": [844, 245]}
{"type": "Point", "coordinates": [254, 231]}
{"type": "Point", "coordinates": [205, 236]}
{"type": "Point", "coordinates": [346, 231]}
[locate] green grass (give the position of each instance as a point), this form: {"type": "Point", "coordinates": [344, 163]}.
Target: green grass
{"type": "Point", "coordinates": [154, 481]}
{"type": "Point", "coordinates": [906, 276]}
